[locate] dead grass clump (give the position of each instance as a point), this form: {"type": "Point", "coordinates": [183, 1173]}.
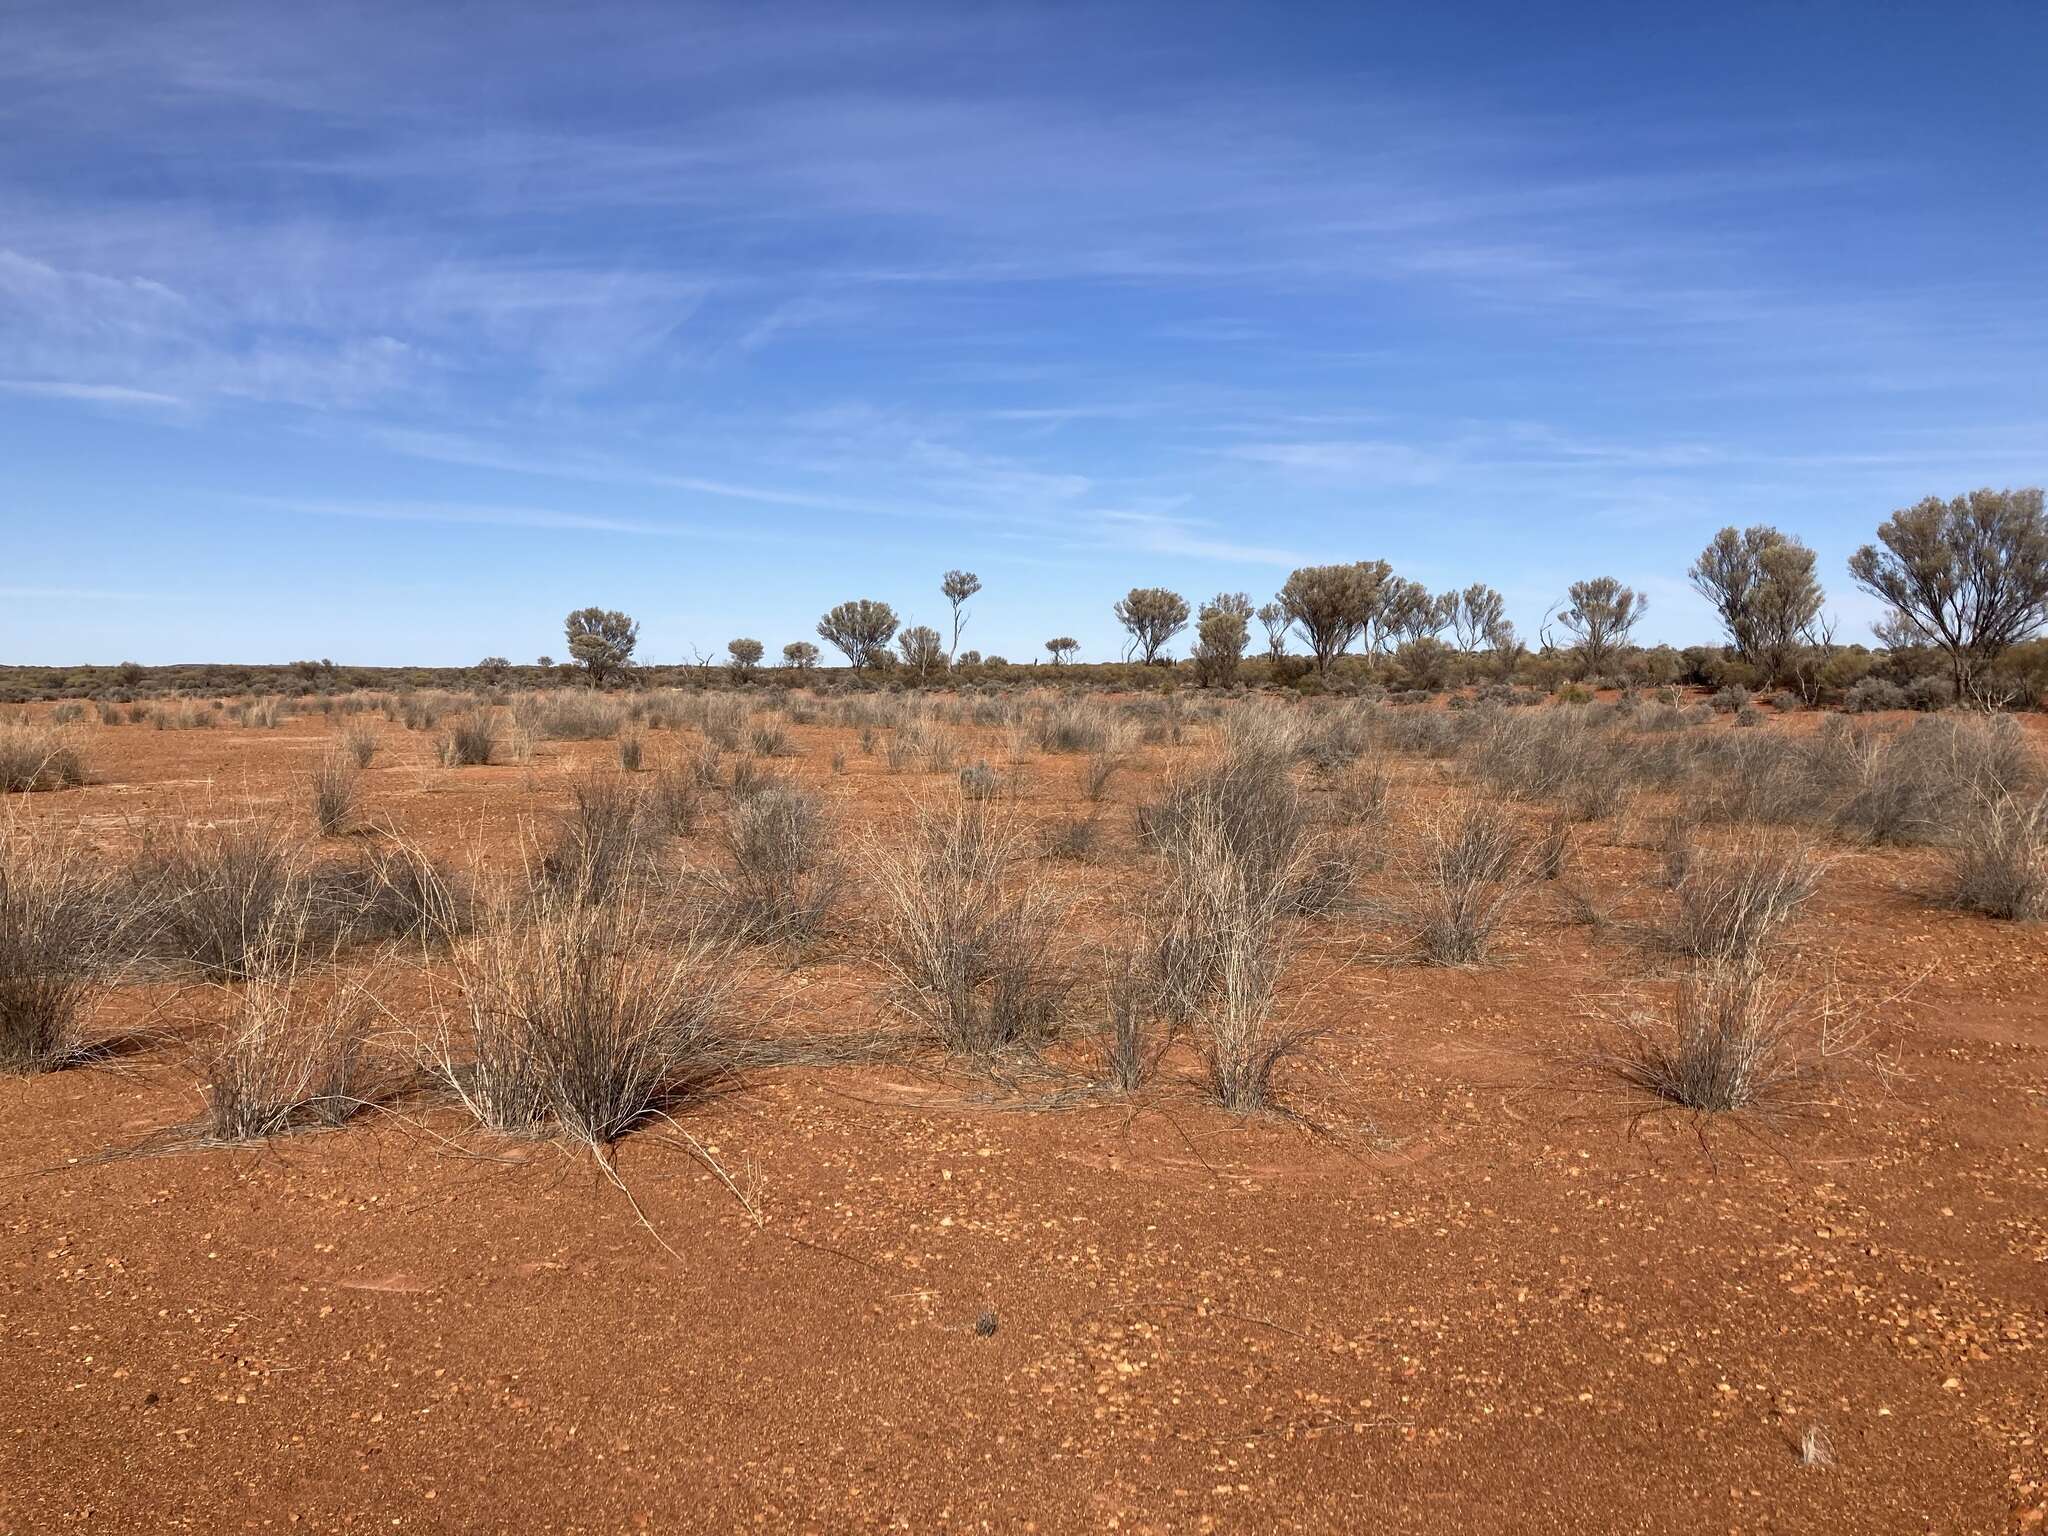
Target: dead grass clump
{"type": "Point", "coordinates": [359, 742]}
{"type": "Point", "coordinates": [1218, 940]}
{"type": "Point", "coordinates": [1361, 794]}
{"type": "Point", "coordinates": [287, 1063]}
{"type": "Point", "coordinates": [721, 720]}
{"type": "Point", "coordinates": [1246, 799]}
{"type": "Point", "coordinates": [397, 894]}
{"type": "Point", "coordinates": [1601, 792]}
{"type": "Point", "coordinates": [233, 900]}
{"type": "Point", "coordinates": [335, 784]}
{"type": "Point", "coordinates": [1731, 1041]}
{"type": "Point", "coordinates": [586, 1014]}
{"type": "Point", "coordinates": [1998, 860]}
{"type": "Point", "coordinates": [967, 934]}
{"type": "Point", "coordinates": [1336, 740]}
{"type": "Point", "coordinates": [571, 716]}
{"type": "Point", "coordinates": [632, 752]}
{"type": "Point", "coordinates": [1218, 926]}
{"type": "Point", "coordinates": [1070, 725]}
{"type": "Point", "coordinates": [782, 874]}
{"type": "Point", "coordinates": [1477, 866]}
{"type": "Point", "coordinates": [1074, 838]}
{"type": "Point", "coordinates": [469, 741]}
{"type": "Point", "coordinates": [1731, 903]}
{"type": "Point", "coordinates": [36, 757]}
{"type": "Point", "coordinates": [1133, 1036]}
{"type": "Point", "coordinates": [671, 802]}
{"type": "Point", "coordinates": [1555, 850]}
{"type": "Point", "coordinates": [602, 843]}
{"type": "Point", "coordinates": [59, 907]}
{"type": "Point", "coordinates": [768, 738]}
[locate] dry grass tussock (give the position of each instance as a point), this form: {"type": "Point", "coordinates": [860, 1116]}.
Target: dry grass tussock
{"type": "Point", "coordinates": [1733, 1038]}
{"type": "Point", "coordinates": [968, 932]}
{"type": "Point", "coordinates": [1237, 868]}
{"type": "Point", "coordinates": [61, 913]}
{"type": "Point", "coordinates": [469, 742]}
{"type": "Point", "coordinates": [583, 1014]}
{"type": "Point", "coordinates": [781, 873]}
{"type": "Point", "coordinates": [34, 757]}
{"type": "Point", "coordinates": [1476, 865]}
{"type": "Point", "coordinates": [288, 1060]}
{"type": "Point", "coordinates": [230, 899]}
{"type": "Point", "coordinates": [1732, 903]}
{"type": "Point", "coordinates": [334, 792]}
{"type": "Point", "coordinates": [1998, 857]}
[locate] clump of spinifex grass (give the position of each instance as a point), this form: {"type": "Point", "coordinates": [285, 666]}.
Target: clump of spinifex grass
{"type": "Point", "coordinates": [1998, 858]}
{"type": "Point", "coordinates": [781, 873]}
{"type": "Point", "coordinates": [36, 757]}
{"type": "Point", "coordinates": [287, 1060]}
{"type": "Point", "coordinates": [336, 782]}
{"type": "Point", "coordinates": [1732, 903]}
{"type": "Point", "coordinates": [470, 741]}
{"type": "Point", "coordinates": [969, 933]}
{"type": "Point", "coordinates": [1237, 866]}
{"type": "Point", "coordinates": [1732, 1039]}
{"type": "Point", "coordinates": [359, 743]}
{"type": "Point", "coordinates": [605, 842]}
{"type": "Point", "coordinates": [60, 909]}
{"type": "Point", "coordinates": [585, 1012]}
{"type": "Point", "coordinates": [1476, 867]}
{"type": "Point", "coordinates": [236, 899]}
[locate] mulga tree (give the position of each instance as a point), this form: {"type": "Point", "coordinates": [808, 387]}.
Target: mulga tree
{"type": "Point", "coordinates": [601, 641]}
{"type": "Point", "coordinates": [1761, 584]}
{"type": "Point", "coordinates": [1154, 616]}
{"type": "Point", "coordinates": [1409, 612]}
{"type": "Point", "coordinates": [1221, 633]}
{"type": "Point", "coordinates": [1598, 614]}
{"type": "Point", "coordinates": [1273, 618]}
{"type": "Point", "coordinates": [743, 657]}
{"type": "Point", "coordinates": [800, 654]}
{"type": "Point", "coordinates": [958, 586]}
{"type": "Point", "coordinates": [1334, 605]}
{"type": "Point", "coordinates": [861, 630]}
{"type": "Point", "coordinates": [1063, 649]}
{"type": "Point", "coordinates": [1479, 617]}
{"type": "Point", "coordinates": [924, 650]}
{"type": "Point", "coordinates": [1968, 575]}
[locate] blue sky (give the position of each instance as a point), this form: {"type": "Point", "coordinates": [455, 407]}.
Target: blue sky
{"type": "Point", "coordinates": [391, 333]}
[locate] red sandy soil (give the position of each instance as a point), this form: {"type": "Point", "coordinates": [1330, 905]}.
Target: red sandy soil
{"type": "Point", "coordinates": [1484, 1299]}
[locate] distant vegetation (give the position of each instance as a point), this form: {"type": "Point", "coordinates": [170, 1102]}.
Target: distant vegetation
{"type": "Point", "coordinates": [1964, 582]}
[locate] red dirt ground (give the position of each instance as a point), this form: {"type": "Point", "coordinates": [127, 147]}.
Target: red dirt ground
{"type": "Point", "coordinates": [1495, 1302]}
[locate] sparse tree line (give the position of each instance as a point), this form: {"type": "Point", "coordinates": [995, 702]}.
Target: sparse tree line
{"type": "Point", "coordinates": [1964, 583]}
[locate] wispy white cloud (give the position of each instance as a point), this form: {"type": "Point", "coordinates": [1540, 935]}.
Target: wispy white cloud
{"type": "Point", "coordinates": [96, 394]}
